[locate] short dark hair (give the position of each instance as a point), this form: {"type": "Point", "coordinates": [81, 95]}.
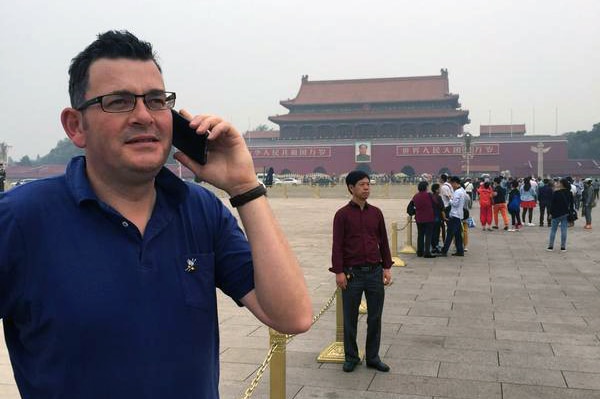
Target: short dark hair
{"type": "Point", "coordinates": [444, 177]}
{"type": "Point", "coordinates": [434, 187]}
{"type": "Point", "coordinates": [112, 45]}
{"type": "Point", "coordinates": [455, 179]}
{"type": "Point", "coordinates": [354, 176]}
{"type": "Point", "coordinates": [565, 182]}
{"type": "Point", "coordinates": [422, 186]}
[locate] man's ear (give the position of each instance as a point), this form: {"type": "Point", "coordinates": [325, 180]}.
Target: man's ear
{"type": "Point", "coordinates": [72, 121]}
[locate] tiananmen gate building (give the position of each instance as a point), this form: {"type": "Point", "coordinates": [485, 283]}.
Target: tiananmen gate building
{"type": "Point", "coordinates": [412, 125]}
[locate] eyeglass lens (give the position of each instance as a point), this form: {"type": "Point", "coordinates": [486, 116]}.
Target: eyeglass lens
{"type": "Point", "coordinates": [124, 102]}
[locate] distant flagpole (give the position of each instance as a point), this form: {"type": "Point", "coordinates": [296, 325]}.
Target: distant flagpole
{"type": "Point", "coordinates": [556, 121]}
{"type": "Point", "coordinates": [533, 124]}
{"type": "Point", "coordinates": [511, 123]}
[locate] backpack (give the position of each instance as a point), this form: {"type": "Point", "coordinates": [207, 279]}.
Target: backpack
{"type": "Point", "coordinates": [411, 210]}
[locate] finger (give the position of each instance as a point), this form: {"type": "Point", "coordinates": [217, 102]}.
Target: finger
{"type": "Point", "coordinates": [186, 114]}
{"type": "Point", "coordinates": [188, 162]}
{"type": "Point", "coordinates": [206, 122]}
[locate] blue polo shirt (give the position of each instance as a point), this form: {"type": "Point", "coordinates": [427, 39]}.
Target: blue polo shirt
{"type": "Point", "coordinates": [92, 309]}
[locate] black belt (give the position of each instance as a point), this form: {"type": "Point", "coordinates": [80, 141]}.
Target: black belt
{"type": "Point", "coordinates": [364, 267]}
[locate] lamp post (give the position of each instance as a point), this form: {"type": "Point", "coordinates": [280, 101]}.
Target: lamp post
{"type": "Point", "coordinates": [467, 154]}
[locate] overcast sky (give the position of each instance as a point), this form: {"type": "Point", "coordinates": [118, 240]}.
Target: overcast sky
{"type": "Point", "coordinates": [238, 59]}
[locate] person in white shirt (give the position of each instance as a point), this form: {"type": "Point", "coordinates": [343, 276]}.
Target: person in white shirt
{"type": "Point", "coordinates": [457, 203]}
{"type": "Point", "coordinates": [446, 190]}
{"type": "Point", "coordinates": [469, 190]}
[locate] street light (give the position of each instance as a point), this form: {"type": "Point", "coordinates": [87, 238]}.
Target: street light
{"type": "Point", "coordinates": [467, 154]}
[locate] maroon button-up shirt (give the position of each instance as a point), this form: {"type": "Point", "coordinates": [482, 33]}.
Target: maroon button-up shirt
{"type": "Point", "coordinates": [359, 237]}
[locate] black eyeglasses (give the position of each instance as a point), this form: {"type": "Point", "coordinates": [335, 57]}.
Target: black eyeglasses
{"type": "Point", "coordinates": [126, 102]}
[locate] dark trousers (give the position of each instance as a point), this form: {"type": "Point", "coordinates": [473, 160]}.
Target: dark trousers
{"type": "Point", "coordinates": [371, 283]}
{"type": "Point", "coordinates": [454, 232]}
{"type": "Point", "coordinates": [544, 209]}
{"type": "Point", "coordinates": [515, 218]}
{"type": "Point", "coordinates": [424, 233]}
{"type": "Point", "coordinates": [435, 236]}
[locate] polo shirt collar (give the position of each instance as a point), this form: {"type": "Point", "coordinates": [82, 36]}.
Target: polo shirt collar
{"type": "Point", "coordinates": [81, 189]}
{"type": "Point", "coordinates": [354, 204]}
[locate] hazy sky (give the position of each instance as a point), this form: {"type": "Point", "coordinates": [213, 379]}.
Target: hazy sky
{"type": "Point", "coordinates": [238, 59]}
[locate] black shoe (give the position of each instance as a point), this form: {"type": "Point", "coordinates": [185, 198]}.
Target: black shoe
{"type": "Point", "coordinates": [435, 251]}
{"type": "Point", "coordinates": [420, 255]}
{"type": "Point", "coordinates": [495, 227]}
{"type": "Point", "coordinates": [379, 365]}
{"type": "Point", "coordinates": [429, 256]}
{"type": "Point", "coordinates": [442, 253]}
{"type": "Point", "coordinates": [349, 366]}
{"type": "Point", "coordinates": [458, 254]}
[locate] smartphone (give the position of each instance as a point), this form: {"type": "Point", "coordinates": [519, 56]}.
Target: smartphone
{"type": "Point", "coordinates": [186, 140]}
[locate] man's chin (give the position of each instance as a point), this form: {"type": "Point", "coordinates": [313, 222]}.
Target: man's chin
{"type": "Point", "coordinates": [147, 165]}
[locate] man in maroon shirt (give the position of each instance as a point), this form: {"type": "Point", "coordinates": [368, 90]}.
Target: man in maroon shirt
{"type": "Point", "coordinates": [361, 261]}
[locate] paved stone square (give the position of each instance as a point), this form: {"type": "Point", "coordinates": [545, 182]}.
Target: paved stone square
{"type": "Point", "coordinates": [509, 320]}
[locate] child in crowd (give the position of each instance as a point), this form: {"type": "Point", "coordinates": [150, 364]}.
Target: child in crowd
{"type": "Point", "coordinates": [514, 203]}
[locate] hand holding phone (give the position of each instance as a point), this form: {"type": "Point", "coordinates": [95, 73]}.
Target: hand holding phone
{"type": "Point", "coordinates": [186, 140]}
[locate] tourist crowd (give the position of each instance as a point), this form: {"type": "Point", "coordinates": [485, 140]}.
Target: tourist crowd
{"type": "Point", "coordinates": [442, 214]}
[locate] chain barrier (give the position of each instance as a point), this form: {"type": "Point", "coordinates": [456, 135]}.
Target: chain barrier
{"type": "Point", "coordinates": [261, 370]}
{"type": "Point", "coordinates": [406, 224]}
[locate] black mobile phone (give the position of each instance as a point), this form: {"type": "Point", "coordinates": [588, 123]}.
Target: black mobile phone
{"type": "Point", "coordinates": [186, 140]}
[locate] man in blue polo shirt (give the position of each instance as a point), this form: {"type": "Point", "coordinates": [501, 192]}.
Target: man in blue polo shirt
{"type": "Point", "coordinates": [108, 274]}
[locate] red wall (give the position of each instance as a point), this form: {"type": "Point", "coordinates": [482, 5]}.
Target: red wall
{"type": "Point", "coordinates": [337, 158]}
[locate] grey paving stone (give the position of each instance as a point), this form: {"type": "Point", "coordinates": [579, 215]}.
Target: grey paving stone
{"type": "Point", "coordinates": [512, 391]}
{"type": "Point", "coordinates": [461, 331]}
{"type": "Point", "coordinates": [502, 374]}
{"type": "Point", "coordinates": [582, 380]}
{"type": "Point", "coordinates": [563, 328]}
{"type": "Point", "coordinates": [585, 352]}
{"type": "Point", "coordinates": [534, 348]}
{"type": "Point", "coordinates": [580, 339]}
{"type": "Point", "coordinates": [427, 386]}
{"type": "Point", "coordinates": [489, 357]}
{"type": "Point", "coordinates": [325, 393]}
{"type": "Point", "coordinates": [565, 363]}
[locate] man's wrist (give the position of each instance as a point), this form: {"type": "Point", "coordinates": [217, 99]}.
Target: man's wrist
{"type": "Point", "coordinates": [250, 195]}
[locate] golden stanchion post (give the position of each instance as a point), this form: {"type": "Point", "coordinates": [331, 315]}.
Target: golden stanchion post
{"type": "Point", "coordinates": [408, 248]}
{"type": "Point", "coordinates": [334, 352]}
{"type": "Point", "coordinates": [317, 191]}
{"type": "Point", "coordinates": [278, 365]}
{"type": "Point", "coordinates": [396, 259]}
{"type": "Point", "coordinates": [465, 234]}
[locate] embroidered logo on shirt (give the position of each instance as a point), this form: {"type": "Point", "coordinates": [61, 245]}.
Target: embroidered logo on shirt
{"type": "Point", "coordinates": [191, 265]}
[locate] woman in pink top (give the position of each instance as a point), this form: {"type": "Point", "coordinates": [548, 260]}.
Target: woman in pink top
{"type": "Point", "coordinates": [485, 205]}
